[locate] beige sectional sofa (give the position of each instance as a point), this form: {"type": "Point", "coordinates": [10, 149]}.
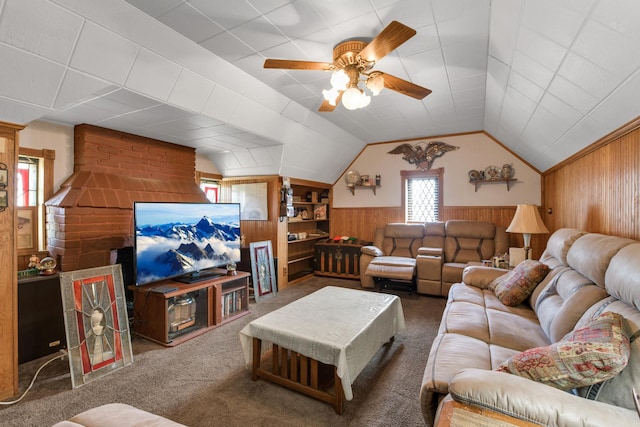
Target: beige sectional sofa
{"type": "Point", "coordinates": [589, 274]}
{"type": "Point", "coordinates": [117, 415]}
{"type": "Point", "coordinates": [431, 256]}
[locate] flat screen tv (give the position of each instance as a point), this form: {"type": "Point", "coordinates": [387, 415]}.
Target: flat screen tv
{"type": "Point", "coordinates": [184, 241]}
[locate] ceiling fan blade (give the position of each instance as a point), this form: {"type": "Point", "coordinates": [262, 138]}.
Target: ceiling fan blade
{"type": "Point", "coordinates": [405, 87]}
{"type": "Point", "coordinates": [326, 107]}
{"type": "Point", "coordinates": [288, 64]}
{"type": "Point", "coordinates": [390, 38]}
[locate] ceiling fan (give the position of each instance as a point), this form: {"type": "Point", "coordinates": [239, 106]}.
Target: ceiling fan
{"type": "Point", "coordinates": [353, 60]}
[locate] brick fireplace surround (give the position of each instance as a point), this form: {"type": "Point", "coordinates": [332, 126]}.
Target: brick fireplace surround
{"type": "Point", "coordinates": [92, 213]}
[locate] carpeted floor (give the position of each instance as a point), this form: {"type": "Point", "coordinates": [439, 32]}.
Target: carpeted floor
{"type": "Point", "coordinates": [204, 382]}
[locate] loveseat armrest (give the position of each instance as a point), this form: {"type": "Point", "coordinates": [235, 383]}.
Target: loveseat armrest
{"type": "Point", "coordinates": [528, 400]}
{"type": "Point", "coordinates": [436, 252]}
{"type": "Point", "coordinates": [371, 250]}
{"type": "Point", "coordinates": [480, 276]}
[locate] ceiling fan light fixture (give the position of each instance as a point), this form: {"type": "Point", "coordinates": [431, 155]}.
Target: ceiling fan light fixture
{"type": "Point", "coordinates": [375, 83]}
{"type": "Point", "coordinates": [351, 98]}
{"type": "Point", "coordinates": [339, 80]}
{"type": "Point", "coordinates": [331, 95]}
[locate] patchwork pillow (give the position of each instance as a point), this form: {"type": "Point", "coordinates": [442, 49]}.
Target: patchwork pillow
{"type": "Point", "coordinates": [515, 286]}
{"type": "Point", "coordinates": [585, 356]}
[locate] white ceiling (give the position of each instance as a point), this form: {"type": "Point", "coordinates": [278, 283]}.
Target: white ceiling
{"type": "Point", "coordinates": [544, 77]}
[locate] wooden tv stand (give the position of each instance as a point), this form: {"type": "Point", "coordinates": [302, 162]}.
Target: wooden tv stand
{"type": "Point", "coordinates": [217, 301]}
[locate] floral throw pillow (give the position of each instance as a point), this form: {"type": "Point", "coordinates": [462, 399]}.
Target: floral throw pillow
{"type": "Point", "coordinates": [515, 286]}
{"type": "Point", "coordinates": [585, 356]}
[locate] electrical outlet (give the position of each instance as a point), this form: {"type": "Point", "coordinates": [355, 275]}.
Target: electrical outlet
{"type": "Point", "coordinates": [284, 271]}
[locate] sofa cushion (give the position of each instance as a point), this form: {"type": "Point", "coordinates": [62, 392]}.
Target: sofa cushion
{"type": "Point", "coordinates": [515, 286]}
{"type": "Point", "coordinates": [589, 355]}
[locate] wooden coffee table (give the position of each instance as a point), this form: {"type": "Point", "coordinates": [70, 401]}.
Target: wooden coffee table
{"type": "Point", "coordinates": [319, 344]}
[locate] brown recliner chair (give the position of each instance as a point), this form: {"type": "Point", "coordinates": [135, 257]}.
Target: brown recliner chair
{"type": "Point", "coordinates": [465, 242]}
{"type": "Point", "coordinates": [392, 257]}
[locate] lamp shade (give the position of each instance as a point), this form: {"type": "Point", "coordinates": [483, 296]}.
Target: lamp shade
{"type": "Point", "coordinates": [527, 220]}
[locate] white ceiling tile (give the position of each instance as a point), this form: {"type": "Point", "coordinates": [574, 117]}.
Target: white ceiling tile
{"type": "Point", "coordinates": [445, 10]}
{"type": "Point", "coordinates": [560, 109]}
{"type": "Point", "coordinates": [104, 54]}
{"type": "Point", "coordinates": [17, 112]}
{"type": "Point", "coordinates": [40, 27]}
{"type": "Point", "coordinates": [466, 59]}
{"type": "Point", "coordinates": [608, 49]}
{"type": "Point", "coordinates": [227, 46]}
{"type": "Point", "coordinates": [227, 16]}
{"type": "Point", "coordinates": [620, 15]}
{"type": "Point", "coordinates": [552, 20]}
{"type": "Point", "coordinates": [504, 26]}
{"type": "Point", "coordinates": [532, 70]}
{"type": "Point", "coordinates": [541, 49]}
{"type": "Point", "coordinates": [412, 13]}
{"type": "Point", "coordinates": [585, 74]}
{"type": "Point", "coordinates": [40, 78]}
{"type": "Point", "coordinates": [77, 87]}
{"type": "Point", "coordinates": [297, 19]}
{"type": "Point", "coordinates": [155, 8]}
{"type": "Point", "coordinates": [259, 34]}
{"type": "Point", "coordinates": [190, 23]}
{"type": "Point", "coordinates": [338, 11]}
{"type": "Point", "coordinates": [191, 91]}
{"type": "Point", "coordinates": [622, 106]}
{"type": "Point", "coordinates": [467, 26]}
{"type": "Point", "coordinates": [525, 87]}
{"type": "Point", "coordinates": [152, 75]}
{"type": "Point", "coordinates": [573, 95]}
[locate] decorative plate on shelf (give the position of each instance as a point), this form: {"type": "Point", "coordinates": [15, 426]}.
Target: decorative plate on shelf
{"type": "Point", "coordinates": [492, 173]}
{"type": "Point", "coordinates": [352, 177]}
{"type": "Point", "coordinates": [474, 175]}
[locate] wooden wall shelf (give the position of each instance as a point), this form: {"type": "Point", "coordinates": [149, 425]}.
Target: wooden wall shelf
{"type": "Point", "coordinates": [491, 181]}
{"type": "Point", "coordinates": [352, 188]}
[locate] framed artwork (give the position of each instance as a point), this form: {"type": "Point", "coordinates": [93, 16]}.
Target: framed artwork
{"type": "Point", "coordinates": [96, 322]}
{"type": "Point", "coordinates": [4, 176]}
{"type": "Point", "coordinates": [252, 199]}
{"type": "Point", "coordinates": [262, 270]}
{"type": "Point", "coordinates": [27, 229]}
{"type": "Point", "coordinates": [4, 200]}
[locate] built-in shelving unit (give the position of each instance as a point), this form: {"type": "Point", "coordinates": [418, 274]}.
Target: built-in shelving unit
{"type": "Point", "coordinates": [303, 231]}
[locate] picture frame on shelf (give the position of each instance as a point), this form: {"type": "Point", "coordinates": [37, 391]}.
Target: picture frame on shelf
{"type": "Point", "coordinates": [27, 229]}
{"type": "Point", "coordinates": [4, 176]}
{"type": "Point", "coordinates": [263, 273]}
{"type": "Point", "coordinates": [96, 322]}
{"type": "Point", "coordinates": [4, 200]}
{"type": "Point", "coordinates": [320, 211]}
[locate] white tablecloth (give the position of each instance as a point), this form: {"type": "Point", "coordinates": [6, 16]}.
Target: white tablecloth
{"type": "Point", "coordinates": [336, 326]}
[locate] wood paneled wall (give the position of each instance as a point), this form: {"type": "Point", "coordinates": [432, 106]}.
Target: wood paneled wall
{"type": "Point", "coordinates": [258, 231]}
{"type": "Point", "coordinates": [362, 222]}
{"type": "Point", "coordinates": [598, 190]}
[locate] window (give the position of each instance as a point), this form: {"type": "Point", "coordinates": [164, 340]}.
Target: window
{"type": "Point", "coordinates": [210, 184]}
{"type": "Point", "coordinates": [422, 195]}
{"type": "Point", "coordinates": [34, 186]}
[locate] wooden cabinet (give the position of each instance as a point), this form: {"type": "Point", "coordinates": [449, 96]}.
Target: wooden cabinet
{"type": "Point", "coordinates": [305, 229]}
{"type": "Point", "coordinates": [184, 311]}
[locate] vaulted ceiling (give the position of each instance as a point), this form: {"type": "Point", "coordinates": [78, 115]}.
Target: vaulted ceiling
{"type": "Point", "coordinates": [544, 77]}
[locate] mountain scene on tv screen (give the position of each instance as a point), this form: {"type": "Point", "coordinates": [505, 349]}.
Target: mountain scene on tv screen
{"type": "Point", "coordinates": [172, 249]}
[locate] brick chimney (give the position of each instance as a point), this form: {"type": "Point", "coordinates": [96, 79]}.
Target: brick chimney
{"type": "Point", "coordinates": [92, 213]}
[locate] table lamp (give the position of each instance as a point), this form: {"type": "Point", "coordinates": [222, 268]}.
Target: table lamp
{"type": "Point", "coordinates": [527, 221]}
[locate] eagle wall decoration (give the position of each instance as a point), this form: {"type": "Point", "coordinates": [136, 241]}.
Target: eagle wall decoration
{"type": "Point", "coordinates": [423, 157]}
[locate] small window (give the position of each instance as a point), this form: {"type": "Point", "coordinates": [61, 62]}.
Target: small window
{"type": "Point", "coordinates": [27, 181]}
{"type": "Point", "coordinates": [211, 189]}
{"type": "Point", "coordinates": [422, 195]}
